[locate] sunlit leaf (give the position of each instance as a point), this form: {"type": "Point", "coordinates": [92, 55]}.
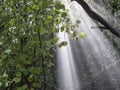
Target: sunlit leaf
{"type": "Point", "coordinates": [8, 51]}
{"type": "Point", "coordinates": [64, 43]}
{"type": "Point", "coordinates": [18, 74]}
{"type": "Point", "coordinates": [83, 34]}
{"type": "Point", "coordinates": [1, 84]}
{"type": "Point", "coordinates": [17, 80]}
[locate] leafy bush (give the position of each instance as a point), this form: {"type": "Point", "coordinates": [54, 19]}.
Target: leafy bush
{"type": "Point", "coordinates": [27, 40]}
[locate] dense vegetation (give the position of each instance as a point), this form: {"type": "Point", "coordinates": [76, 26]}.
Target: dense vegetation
{"type": "Point", "coordinates": [27, 42]}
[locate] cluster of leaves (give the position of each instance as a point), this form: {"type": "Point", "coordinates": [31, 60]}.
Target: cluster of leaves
{"type": "Point", "coordinates": [27, 41]}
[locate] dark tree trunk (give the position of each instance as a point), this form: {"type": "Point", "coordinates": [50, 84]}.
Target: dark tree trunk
{"type": "Point", "coordinates": [98, 18]}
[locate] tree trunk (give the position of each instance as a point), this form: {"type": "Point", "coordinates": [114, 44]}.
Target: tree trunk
{"type": "Point", "coordinates": [98, 18]}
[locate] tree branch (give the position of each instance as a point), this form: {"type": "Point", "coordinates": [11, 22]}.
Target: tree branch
{"type": "Point", "coordinates": [98, 18]}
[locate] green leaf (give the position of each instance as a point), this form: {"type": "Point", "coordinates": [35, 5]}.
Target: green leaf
{"type": "Point", "coordinates": [35, 84]}
{"type": "Point", "coordinates": [5, 75]}
{"type": "Point", "coordinates": [1, 43]}
{"type": "Point", "coordinates": [17, 80]}
{"type": "Point", "coordinates": [55, 39]}
{"type": "Point", "coordinates": [62, 28]}
{"type": "Point", "coordinates": [60, 6]}
{"type": "Point", "coordinates": [18, 74]}
{"type": "Point", "coordinates": [42, 30]}
{"type": "Point", "coordinates": [64, 43]}
{"type": "Point", "coordinates": [24, 87]}
{"type": "Point", "coordinates": [1, 84]}
{"type": "Point", "coordinates": [83, 34]}
{"type": "Point", "coordinates": [48, 19]}
{"type": "Point", "coordinates": [31, 88]}
{"type": "Point", "coordinates": [64, 14]}
{"type": "Point", "coordinates": [7, 83]}
{"type": "Point", "coordinates": [30, 78]}
{"type": "Point", "coordinates": [35, 7]}
{"type": "Point", "coordinates": [74, 34]}
{"type": "Point", "coordinates": [50, 64]}
{"type": "Point", "coordinates": [8, 51]}
{"type": "Point", "coordinates": [11, 22]}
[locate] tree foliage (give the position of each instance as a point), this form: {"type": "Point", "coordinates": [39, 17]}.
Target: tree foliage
{"type": "Point", "coordinates": [27, 41]}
